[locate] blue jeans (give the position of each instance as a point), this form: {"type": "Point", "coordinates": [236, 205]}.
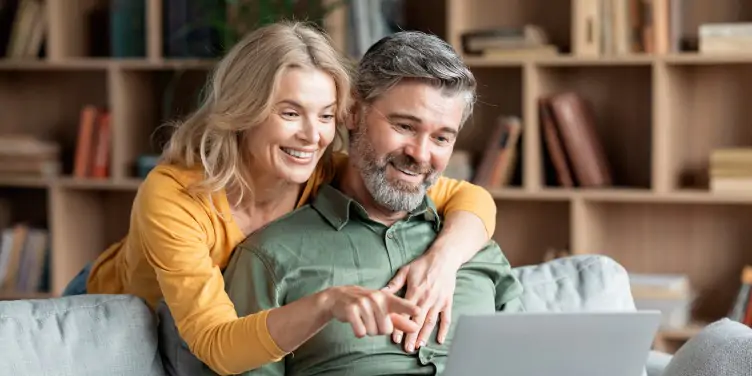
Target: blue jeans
{"type": "Point", "coordinates": [77, 286]}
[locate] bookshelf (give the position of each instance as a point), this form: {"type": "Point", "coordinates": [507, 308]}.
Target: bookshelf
{"type": "Point", "coordinates": [658, 115]}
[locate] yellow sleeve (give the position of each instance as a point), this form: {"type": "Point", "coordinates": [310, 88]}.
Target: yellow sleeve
{"type": "Point", "coordinates": [451, 195]}
{"type": "Point", "coordinates": [175, 236]}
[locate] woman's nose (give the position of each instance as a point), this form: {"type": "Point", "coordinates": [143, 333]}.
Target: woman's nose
{"type": "Point", "coordinates": [310, 132]}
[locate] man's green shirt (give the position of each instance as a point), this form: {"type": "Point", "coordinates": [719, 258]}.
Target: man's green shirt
{"type": "Point", "coordinates": [332, 242]}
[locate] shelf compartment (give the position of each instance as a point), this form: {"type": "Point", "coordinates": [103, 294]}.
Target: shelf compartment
{"type": "Point", "coordinates": [620, 98]}
{"type": "Point", "coordinates": [84, 224]}
{"type": "Point", "coordinates": [708, 242]}
{"type": "Point", "coordinates": [520, 223]}
{"type": "Point", "coordinates": [47, 104]}
{"type": "Point", "coordinates": [471, 15]}
{"type": "Point", "coordinates": [78, 29]}
{"type": "Point", "coordinates": [695, 13]}
{"type": "Point", "coordinates": [26, 205]}
{"type": "Point", "coordinates": [145, 100]}
{"type": "Point", "coordinates": [499, 94]}
{"type": "Point", "coordinates": [708, 107]}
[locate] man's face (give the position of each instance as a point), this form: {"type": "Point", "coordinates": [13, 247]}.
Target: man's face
{"type": "Point", "coordinates": [402, 142]}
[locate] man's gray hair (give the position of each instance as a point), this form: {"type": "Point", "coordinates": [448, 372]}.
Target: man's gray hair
{"type": "Point", "coordinates": [414, 55]}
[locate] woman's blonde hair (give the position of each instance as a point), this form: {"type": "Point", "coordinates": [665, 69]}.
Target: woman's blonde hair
{"type": "Point", "coordinates": [239, 97]}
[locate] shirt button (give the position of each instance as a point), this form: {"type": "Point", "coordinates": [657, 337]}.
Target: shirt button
{"type": "Point", "coordinates": [390, 235]}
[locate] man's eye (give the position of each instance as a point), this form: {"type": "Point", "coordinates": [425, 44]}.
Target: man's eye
{"type": "Point", "coordinates": [404, 127]}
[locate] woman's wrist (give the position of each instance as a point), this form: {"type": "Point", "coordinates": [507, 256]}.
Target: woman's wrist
{"type": "Point", "coordinates": [323, 303]}
{"type": "Point", "coordinates": [443, 255]}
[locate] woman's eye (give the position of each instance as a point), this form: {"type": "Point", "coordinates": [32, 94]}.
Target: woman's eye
{"type": "Point", "coordinates": [289, 114]}
{"type": "Point", "coordinates": [327, 117]}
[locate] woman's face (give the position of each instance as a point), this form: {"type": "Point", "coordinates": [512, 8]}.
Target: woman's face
{"type": "Point", "coordinates": [290, 142]}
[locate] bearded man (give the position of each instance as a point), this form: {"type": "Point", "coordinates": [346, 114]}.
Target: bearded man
{"type": "Point", "coordinates": [413, 94]}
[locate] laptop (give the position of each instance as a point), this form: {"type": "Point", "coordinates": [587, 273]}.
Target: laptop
{"type": "Point", "coordinates": [553, 344]}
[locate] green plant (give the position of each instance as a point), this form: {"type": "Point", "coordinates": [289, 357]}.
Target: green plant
{"type": "Point", "coordinates": [243, 16]}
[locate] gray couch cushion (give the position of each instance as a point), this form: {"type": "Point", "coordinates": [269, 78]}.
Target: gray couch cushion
{"type": "Point", "coordinates": [79, 336]}
{"type": "Point", "coordinates": [576, 283]}
{"type": "Point", "coordinates": [722, 348]}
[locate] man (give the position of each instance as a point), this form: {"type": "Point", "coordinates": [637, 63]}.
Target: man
{"type": "Point", "coordinates": [413, 95]}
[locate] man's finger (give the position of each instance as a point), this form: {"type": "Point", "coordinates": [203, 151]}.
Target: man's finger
{"type": "Point", "coordinates": [411, 338]}
{"type": "Point", "coordinates": [397, 282]}
{"type": "Point", "coordinates": [398, 334]}
{"type": "Point", "coordinates": [444, 323]}
{"type": "Point", "coordinates": [428, 325]}
{"type": "Point", "coordinates": [404, 324]}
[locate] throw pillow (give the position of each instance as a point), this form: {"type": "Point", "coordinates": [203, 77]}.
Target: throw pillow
{"type": "Point", "coordinates": [722, 348]}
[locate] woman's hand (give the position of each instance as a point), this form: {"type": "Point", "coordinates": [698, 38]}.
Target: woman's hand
{"type": "Point", "coordinates": [430, 280]}
{"type": "Point", "coordinates": [370, 312]}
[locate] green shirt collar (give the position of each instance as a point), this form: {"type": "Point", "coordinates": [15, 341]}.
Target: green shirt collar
{"type": "Point", "coordinates": [337, 208]}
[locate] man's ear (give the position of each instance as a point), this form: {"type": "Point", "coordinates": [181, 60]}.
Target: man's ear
{"type": "Point", "coordinates": [351, 123]}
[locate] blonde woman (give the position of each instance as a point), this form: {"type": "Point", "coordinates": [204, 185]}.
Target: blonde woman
{"type": "Point", "coordinates": [257, 148]}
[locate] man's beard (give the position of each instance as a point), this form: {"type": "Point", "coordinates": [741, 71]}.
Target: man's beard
{"type": "Point", "coordinates": [394, 195]}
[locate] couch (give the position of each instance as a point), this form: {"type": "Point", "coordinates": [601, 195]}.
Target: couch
{"type": "Point", "coordinates": [117, 334]}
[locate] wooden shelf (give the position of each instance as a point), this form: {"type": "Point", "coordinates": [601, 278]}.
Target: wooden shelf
{"type": "Point", "coordinates": [12, 295]}
{"type": "Point", "coordinates": [659, 116]}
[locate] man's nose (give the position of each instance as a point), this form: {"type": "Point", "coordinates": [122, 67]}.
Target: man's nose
{"type": "Point", "coordinates": [419, 151]}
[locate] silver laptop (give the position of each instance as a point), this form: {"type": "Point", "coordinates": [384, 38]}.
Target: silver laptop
{"type": "Point", "coordinates": [549, 343]}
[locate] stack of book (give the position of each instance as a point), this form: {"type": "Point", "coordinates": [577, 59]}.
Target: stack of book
{"type": "Point", "coordinates": [671, 294]}
{"type": "Point", "coordinates": [508, 42]}
{"type": "Point", "coordinates": [732, 37]}
{"type": "Point", "coordinates": [731, 170]}
{"type": "Point", "coordinates": [24, 155]}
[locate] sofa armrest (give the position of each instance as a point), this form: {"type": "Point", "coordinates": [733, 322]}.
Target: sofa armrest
{"type": "Point", "coordinates": [79, 335]}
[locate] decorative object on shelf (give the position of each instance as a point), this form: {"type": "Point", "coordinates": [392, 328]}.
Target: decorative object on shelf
{"type": "Point", "coordinates": [460, 166]}
{"type": "Point", "coordinates": [146, 163]}
{"type": "Point", "coordinates": [555, 253]}
{"type": "Point", "coordinates": [742, 310]}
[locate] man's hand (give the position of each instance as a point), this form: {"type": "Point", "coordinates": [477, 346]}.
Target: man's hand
{"type": "Point", "coordinates": [430, 284]}
{"type": "Point", "coordinates": [370, 312]}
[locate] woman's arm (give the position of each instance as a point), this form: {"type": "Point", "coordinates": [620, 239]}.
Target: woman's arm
{"type": "Point", "coordinates": [252, 288]}
{"type": "Point", "coordinates": [469, 217]}
{"type": "Point", "coordinates": [174, 233]}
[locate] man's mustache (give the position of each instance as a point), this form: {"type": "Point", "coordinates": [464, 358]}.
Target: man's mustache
{"type": "Point", "coordinates": [406, 162]}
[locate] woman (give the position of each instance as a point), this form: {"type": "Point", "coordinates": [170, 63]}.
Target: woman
{"type": "Point", "coordinates": [257, 148]}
